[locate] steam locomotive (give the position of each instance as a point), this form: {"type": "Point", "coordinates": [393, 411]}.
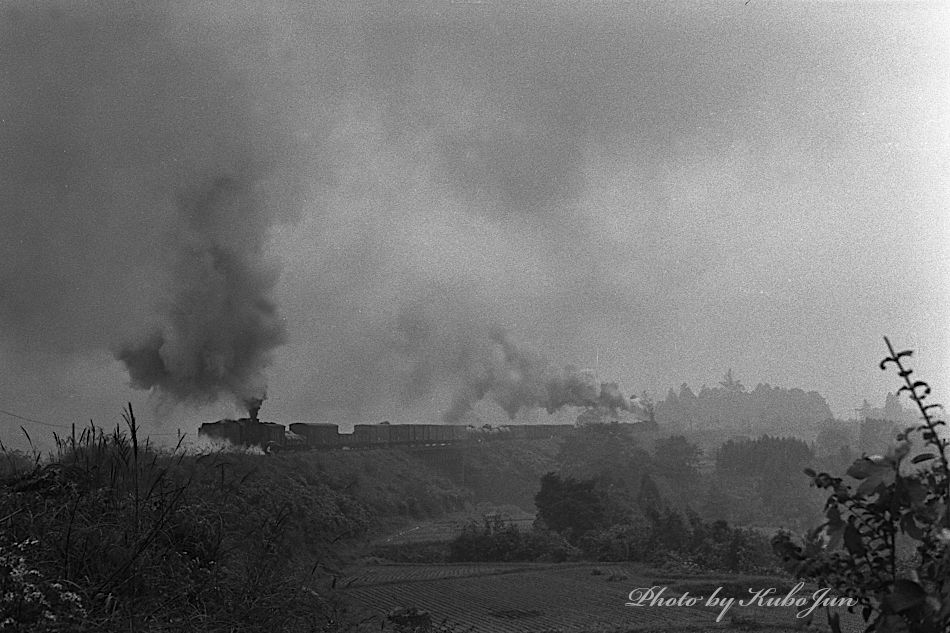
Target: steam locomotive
{"type": "Point", "coordinates": [271, 437]}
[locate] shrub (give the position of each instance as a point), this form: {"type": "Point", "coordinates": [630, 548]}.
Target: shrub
{"type": "Point", "coordinates": [719, 546]}
{"type": "Point", "coordinates": [898, 500]}
{"type": "Point", "coordinates": [29, 600]}
{"type": "Point", "coordinates": [621, 542]}
{"type": "Point", "coordinates": [569, 506]}
{"type": "Point", "coordinates": [498, 541]}
{"type": "Point", "coordinates": [601, 525]}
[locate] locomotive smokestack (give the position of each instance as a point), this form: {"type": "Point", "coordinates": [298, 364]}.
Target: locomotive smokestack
{"type": "Point", "coordinates": [253, 406]}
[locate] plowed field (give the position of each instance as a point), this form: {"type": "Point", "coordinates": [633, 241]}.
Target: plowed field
{"type": "Point", "coordinates": [536, 598]}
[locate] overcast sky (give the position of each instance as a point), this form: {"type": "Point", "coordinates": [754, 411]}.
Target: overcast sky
{"type": "Point", "coordinates": [657, 192]}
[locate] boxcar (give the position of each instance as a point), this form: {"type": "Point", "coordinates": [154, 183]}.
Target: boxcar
{"type": "Point", "coordinates": [401, 433]}
{"type": "Point", "coordinates": [514, 431]}
{"type": "Point", "coordinates": [371, 434]}
{"type": "Point", "coordinates": [456, 433]}
{"type": "Point", "coordinates": [436, 433]}
{"type": "Point", "coordinates": [542, 431]}
{"type": "Point", "coordinates": [318, 434]}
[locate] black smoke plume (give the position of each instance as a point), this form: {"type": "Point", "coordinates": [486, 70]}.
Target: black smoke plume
{"type": "Point", "coordinates": [217, 331]}
{"type": "Point", "coordinates": [143, 173]}
{"type": "Point", "coordinates": [518, 380]}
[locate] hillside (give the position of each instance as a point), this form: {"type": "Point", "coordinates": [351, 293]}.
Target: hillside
{"type": "Point", "coordinates": [107, 533]}
{"type": "Point", "coordinates": [134, 531]}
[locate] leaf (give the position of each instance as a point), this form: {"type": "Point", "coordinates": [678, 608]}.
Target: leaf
{"type": "Point", "coordinates": [916, 492]}
{"type": "Point", "coordinates": [853, 541]}
{"type": "Point", "coordinates": [905, 595]}
{"type": "Point", "coordinates": [842, 492]}
{"type": "Point", "coordinates": [881, 477]}
{"type": "Point", "coordinates": [909, 526]}
{"type": "Point", "coordinates": [834, 621]}
{"type": "Point", "coordinates": [874, 471]}
{"type": "Point", "coordinates": [890, 624]}
{"type": "Point", "coordinates": [912, 390]}
{"type": "Point", "coordinates": [834, 535]}
{"type": "Point", "coordinates": [833, 514]}
{"type": "Point", "coordinates": [810, 472]}
{"type": "Point", "coordinates": [940, 511]}
{"type": "Point", "coordinates": [897, 453]}
{"type": "Point", "coordinates": [861, 468]}
{"type": "Point", "coordinates": [922, 458]}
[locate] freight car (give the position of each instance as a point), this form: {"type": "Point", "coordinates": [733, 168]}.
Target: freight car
{"type": "Point", "coordinates": [538, 431]}
{"type": "Point", "coordinates": [274, 437]}
{"type": "Point", "coordinates": [318, 435]}
{"type": "Point", "coordinates": [368, 435]}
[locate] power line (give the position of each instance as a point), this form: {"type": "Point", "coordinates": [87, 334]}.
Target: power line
{"type": "Point", "coordinates": [26, 419]}
{"type": "Point", "coordinates": [67, 426]}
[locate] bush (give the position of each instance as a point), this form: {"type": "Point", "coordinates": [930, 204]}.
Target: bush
{"type": "Point", "coordinates": [719, 546]}
{"type": "Point", "coordinates": [570, 507]}
{"type": "Point", "coordinates": [604, 528]}
{"type": "Point", "coordinates": [899, 500]}
{"type": "Point", "coordinates": [497, 541]}
{"type": "Point", "coordinates": [622, 542]}
{"type": "Point", "coordinates": [29, 600]}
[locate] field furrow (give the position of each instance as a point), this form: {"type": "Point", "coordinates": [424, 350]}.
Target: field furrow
{"type": "Point", "coordinates": [566, 598]}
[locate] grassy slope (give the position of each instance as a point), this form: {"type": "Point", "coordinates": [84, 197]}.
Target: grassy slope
{"type": "Point", "coordinates": [221, 541]}
{"type": "Point", "coordinates": [238, 535]}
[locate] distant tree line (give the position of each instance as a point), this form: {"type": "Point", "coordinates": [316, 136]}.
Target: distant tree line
{"type": "Point", "coordinates": [757, 481]}
{"type": "Point", "coordinates": [844, 441]}
{"type": "Point", "coordinates": [730, 405]}
{"type": "Point", "coordinates": [891, 411]}
{"type": "Point", "coordinates": [612, 499]}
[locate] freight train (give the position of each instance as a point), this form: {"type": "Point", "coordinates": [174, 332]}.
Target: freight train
{"type": "Point", "coordinates": [271, 437]}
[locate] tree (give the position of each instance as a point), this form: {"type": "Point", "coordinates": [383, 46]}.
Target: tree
{"type": "Point", "coordinates": [603, 451]}
{"type": "Point", "coordinates": [731, 405]}
{"type": "Point", "coordinates": [893, 410]}
{"type": "Point", "coordinates": [677, 458]}
{"type": "Point", "coordinates": [731, 384]}
{"type": "Point", "coordinates": [876, 435]}
{"type": "Point", "coordinates": [831, 438]}
{"type": "Point", "coordinates": [766, 467]}
{"type": "Point", "coordinates": [650, 500]}
{"type": "Point", "coordinates": [569, 506]}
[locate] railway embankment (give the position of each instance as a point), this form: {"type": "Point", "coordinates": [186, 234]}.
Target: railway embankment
{"type": "Point", "coordinates": [112, 533]}
{"type": "Point", "coordinates": [375, 492]}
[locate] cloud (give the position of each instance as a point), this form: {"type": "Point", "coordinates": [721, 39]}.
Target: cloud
{"type": "Point", "coordinates": [351, 202]}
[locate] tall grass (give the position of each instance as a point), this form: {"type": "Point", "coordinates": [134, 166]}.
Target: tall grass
{"type": "Point", "coordinates": [110, 533]}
